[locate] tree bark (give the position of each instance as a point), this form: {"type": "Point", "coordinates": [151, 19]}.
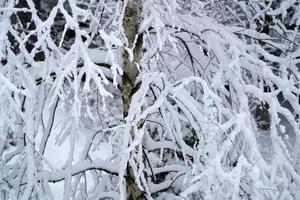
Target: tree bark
{"type": "Point", "coordinates": [131, 22]}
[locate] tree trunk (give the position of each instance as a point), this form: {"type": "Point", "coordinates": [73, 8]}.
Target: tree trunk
{"type": "Point", "coordinates": [131, 22]}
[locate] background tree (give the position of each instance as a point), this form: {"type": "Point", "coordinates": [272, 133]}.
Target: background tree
{"type": "Point", "coordinates": [149, 99]}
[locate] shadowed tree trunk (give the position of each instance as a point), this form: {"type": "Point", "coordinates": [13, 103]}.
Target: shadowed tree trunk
{"type": "Point", "coordinates": [131, 24]}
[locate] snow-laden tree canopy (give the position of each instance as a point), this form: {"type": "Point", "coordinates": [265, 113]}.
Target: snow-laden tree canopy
{"type": "Point", "coordinates": [149, 99]}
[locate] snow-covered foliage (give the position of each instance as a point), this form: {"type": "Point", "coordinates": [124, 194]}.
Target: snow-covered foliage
{"type": "Point", "coordinates": [211, 76]}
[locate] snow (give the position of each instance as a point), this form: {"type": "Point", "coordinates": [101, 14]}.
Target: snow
{"type": "Point", "coordinates": [192, 129]}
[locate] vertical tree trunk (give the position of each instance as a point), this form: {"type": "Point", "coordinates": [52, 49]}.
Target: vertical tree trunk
{"type": "Point", "coordinates": [131, 24]}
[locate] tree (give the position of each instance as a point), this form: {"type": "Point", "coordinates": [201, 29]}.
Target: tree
{"type": "Point", "coordinates": [150, 99]}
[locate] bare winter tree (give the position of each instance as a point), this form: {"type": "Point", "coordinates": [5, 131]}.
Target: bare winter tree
{"type": "Point", "coordinates": [149, 99]}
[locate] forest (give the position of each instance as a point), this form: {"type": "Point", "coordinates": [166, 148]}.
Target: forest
{"type": "Point", "coordinates": [149, 99]}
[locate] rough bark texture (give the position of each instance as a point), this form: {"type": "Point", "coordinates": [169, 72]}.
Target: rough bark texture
{"type": "Point", "coordinates": [131, 24]}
